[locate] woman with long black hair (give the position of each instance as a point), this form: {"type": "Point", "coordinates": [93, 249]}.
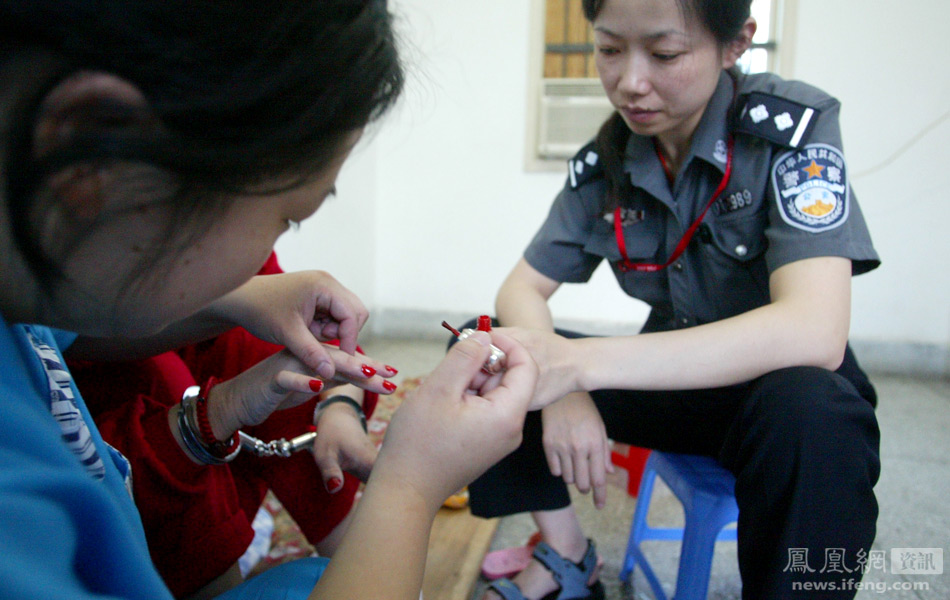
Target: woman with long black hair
{"type": "Point", "coordinates": [151, 153]}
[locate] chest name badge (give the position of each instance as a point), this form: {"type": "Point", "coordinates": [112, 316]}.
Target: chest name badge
{"type": "Point", "coordinates": [628, 216]}
{"type": "Point", "coordinates": [737, 200]}
{"type": "Point", "coordinates": [811, 187]}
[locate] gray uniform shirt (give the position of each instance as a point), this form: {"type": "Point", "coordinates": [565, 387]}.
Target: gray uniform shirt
{"type": "Point", "coordinates": [781, 204]}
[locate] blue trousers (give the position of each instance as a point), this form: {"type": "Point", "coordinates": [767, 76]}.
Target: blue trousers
{"type": "Point", "coordinates": [802, 443]}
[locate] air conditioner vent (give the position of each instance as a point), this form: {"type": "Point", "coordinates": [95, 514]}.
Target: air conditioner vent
{"type": "Point", "coordinates": [572, 110]}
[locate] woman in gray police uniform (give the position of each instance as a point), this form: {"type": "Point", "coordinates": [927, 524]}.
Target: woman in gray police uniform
{"type": "Point", "coordinates": [722, 201]}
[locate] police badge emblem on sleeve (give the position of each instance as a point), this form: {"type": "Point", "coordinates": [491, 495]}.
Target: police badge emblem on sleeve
{"type": "Point", "coordinates": [811, 187]}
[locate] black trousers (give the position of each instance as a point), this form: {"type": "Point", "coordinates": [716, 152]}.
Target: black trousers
{"type": "Point", "coordinates": [802, 443]}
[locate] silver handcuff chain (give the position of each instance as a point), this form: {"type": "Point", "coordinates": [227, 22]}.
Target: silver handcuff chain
{"type": "Point", "coordinates": [281, 447]}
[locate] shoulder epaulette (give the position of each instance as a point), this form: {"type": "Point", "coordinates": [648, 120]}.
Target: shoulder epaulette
{"type": "Point", "coordinates": [584, 166]}
{"type": "Point", "coordinates": [777, 119]}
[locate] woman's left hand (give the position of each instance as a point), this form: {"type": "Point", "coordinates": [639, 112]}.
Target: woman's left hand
{"type": "Point", "coordinates": [342, 445]}
{"type": "Point", "coordinates": [554, 356]}
{"type": "Point", "coordinates": [278, 382]}
{"type": "Point", "coordinates": [297, 310]}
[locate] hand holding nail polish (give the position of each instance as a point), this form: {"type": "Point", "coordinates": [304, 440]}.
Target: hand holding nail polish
{"type": "Point", "coordinates": [496, 361]}
{"type": "Point", "coordinates": [445, 433]}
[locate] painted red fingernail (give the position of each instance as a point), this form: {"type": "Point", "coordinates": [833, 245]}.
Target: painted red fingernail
{"type": "Point", "coordinates": [391, 369]}
{"type": "Point", "coordinates": [334, 485]}
{"type": "Point", "coordinates": [368, 371]}
{"type": "Point", "coordinates": [389, 386]}
{"type": "Point", "coordinates": [316, 385]}
{"type": "Point", "coordinates": [484, 323]}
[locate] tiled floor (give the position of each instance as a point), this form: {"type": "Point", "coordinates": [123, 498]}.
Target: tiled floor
{"type": "Point", "coordinates": [913, 492]}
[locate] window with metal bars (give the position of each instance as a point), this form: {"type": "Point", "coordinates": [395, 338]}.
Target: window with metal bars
{"type": "Point", "coordinates": [568, 41]}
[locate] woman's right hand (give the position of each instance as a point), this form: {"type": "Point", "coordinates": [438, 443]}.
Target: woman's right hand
{"type": "Point", "coordinates": [446, 434]}
{"type": "Point", "coordinates": [297, 310]}
{"type": "Point", "coordinates": [576, 444]}
{"type": "Point", "coordinates": [342, 444]}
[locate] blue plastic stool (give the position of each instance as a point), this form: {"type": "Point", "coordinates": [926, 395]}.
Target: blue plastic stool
{"type": "Point", "coordinates": [706, 490]}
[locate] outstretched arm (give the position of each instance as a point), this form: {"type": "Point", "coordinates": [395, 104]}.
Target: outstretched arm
{"type": "Point", "coordinates": [806, 324]}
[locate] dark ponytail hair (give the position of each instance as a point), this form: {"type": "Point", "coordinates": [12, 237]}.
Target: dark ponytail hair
{"type": "Point", "coordinates": [724, 19]}
{"type": "Point", "coordinates": [241, 93]}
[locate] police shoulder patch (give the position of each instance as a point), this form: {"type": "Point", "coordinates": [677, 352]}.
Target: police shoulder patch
{"type": "Point", "coordinates": [811, 187]}
{"type": "Point", "coordinates": [777, 119]}
{"type": "Point", "coordinates": [584, 166]}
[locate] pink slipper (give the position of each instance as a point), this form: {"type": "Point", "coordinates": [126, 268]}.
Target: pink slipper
{"type": "Point", "coordinates": [508, 562]}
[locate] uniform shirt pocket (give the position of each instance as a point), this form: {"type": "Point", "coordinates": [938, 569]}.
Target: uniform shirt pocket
{"type": "Point", "coordinates": [741, 238]}
{"type": "Point", "coordinates": [734, 278]}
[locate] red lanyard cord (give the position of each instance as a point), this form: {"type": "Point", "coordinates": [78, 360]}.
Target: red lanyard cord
{"type": "Point", "coordinates": [627, 265]}
{"type": "Point", "coordinates": [670, 177]}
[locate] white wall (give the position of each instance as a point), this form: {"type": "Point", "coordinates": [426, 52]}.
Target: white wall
{"type": "Point", "coordinates": [341, 239]}
{"type": "Point", "coordinates": [442, 206]}
{"type": "Point", "coordinates": [890, 68]}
